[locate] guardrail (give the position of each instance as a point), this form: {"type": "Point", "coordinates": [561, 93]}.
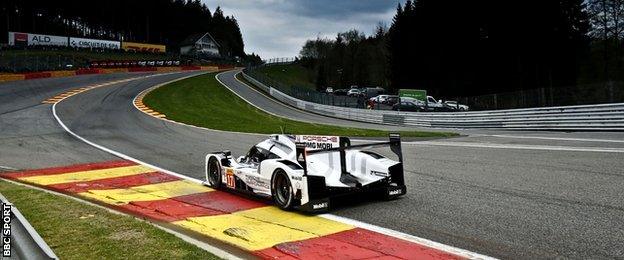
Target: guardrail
{"type": "Point", "coordinates": [25, 242]}
{"type": "Point", "coordinates": [605, 117]}
{"type": "Point", "coordinates": [284, 60]}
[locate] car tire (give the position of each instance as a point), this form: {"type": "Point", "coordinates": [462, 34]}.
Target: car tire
{"type": "Point", "coordinates": [213, 170]}
{"type": "Point", "coordinates": [281, 189]}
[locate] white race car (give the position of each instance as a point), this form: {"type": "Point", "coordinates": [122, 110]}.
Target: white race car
{"type": "Point", "coordinates": [304, 171]}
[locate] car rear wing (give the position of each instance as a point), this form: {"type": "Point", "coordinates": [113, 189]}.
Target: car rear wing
{"type": "Point", "coordinates": [345, 144]}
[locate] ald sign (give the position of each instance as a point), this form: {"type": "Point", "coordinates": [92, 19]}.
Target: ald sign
{"type": "Point", "coordinates": [32, 39]}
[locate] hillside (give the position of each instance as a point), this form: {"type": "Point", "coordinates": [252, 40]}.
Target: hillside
{"type": "Point", "coordinates": [289, 75]}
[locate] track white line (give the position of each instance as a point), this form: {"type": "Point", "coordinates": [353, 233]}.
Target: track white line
{"type": "Point", "coordinates": [505, 146]}
{"type": "Point", "coordinates": [389, 232]}
{"type": "Point", "coordinates": [519, 146]}
{"type": "Point", "coordinates": [7, 168]}
{"type": "Point", "coordinates": [552, 138]}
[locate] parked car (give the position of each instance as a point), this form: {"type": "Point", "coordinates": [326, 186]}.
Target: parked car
{"type": "Point", "coordinates": [434, 104]}
{"type": "Point", "coordinates": [340, 92]}
{"type": "Point", "coordinates": [408, 106]}
{"type": "Point", "coordinates": [354, 92]}
{"type": "Point", "coordinates": [413, 100]}
{"type": "Point", "coordinates": [372, 92]}
{"type": "Point", "coordinates": [379, 98]}
{"type": "Point", "coordinates": [391, 100]}
{"type": "Point", "coordinates": [329, 90]}
{"type": "Point", "coordinates": [456, 106]}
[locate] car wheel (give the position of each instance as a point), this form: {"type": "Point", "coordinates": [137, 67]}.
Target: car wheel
{"type": "Point", "coordinates": [214, 173]}
{"type": "Point", "coordinates": [282, 190]}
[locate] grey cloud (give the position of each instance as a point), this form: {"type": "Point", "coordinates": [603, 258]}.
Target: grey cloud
{"type": "Point", "coordinates": [278, 28]}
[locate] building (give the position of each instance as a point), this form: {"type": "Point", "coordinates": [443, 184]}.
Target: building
{"type": "Point", "coordinates": [202, 44]}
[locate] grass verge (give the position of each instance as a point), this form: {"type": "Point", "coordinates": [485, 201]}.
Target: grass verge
{"type": "Point", "coordinates": [202, 101]}
{"type": "Point", "coordinates": [78, 231]}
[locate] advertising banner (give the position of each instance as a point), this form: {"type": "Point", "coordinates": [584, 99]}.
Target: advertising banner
{"type": "Point", "coordinates": [31, 39]}
{"type": "Point", "coordinates": [93, 43]}
{"type": "Point", "coordinates": [143, 47]}
{"type": "Point", "coordinates": [417, 94]}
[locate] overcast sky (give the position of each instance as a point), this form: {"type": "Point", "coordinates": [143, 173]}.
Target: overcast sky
{"type": "Point", "coordinates": [278, 28]}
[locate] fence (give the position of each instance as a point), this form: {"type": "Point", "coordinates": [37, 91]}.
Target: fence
{"type": "Point", "coordinates": [286, 60]}
{"type": "Point", "coordinates": [27, 62]}
{"type": "Point", "coordinates": [582, 94]}
{"type": "Point", "coordinates": [306, 93]}
{"type": "Point", "coordinates": [15, 60]}
{"type": "Point", "coordinates": [585, 94]}
{"type": "Point", "coordinates": [585, 117]}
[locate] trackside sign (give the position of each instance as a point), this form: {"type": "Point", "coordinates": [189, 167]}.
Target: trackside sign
{"type": "Point", "coordinates": [93, 43]}
{"type": "Point", "coordinates": [143, 47]}
{"type": "Point", "coordinates": [31, 39]}
{"type": "Point", "coordinates": [417, 94]}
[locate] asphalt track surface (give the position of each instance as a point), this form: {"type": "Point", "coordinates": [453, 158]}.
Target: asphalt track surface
{"type": "Point", "coordinates": [521, 195]}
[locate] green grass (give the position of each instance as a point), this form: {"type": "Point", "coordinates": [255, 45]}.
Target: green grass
{"type": "Point", "coordinates": [289, 74]}
{"type": "Point", "coordinates": [75, 230]}
{"type": "Point", "coordinates": [202, 101]}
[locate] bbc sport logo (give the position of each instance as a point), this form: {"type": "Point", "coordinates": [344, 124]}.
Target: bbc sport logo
{"type": "Point", "coordinates": [6, 230]}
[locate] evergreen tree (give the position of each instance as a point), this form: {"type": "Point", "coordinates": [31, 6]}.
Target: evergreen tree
{"type": "Point", "coordinates": [154, 21]}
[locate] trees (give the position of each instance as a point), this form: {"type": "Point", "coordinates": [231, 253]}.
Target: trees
{"type": "Point", "coordinates": [456, 48]}
{"type": "Point", "coordinates": [465, 48]}
{"type": "Point", "coordinates": [351, 58]}
{"type": "Point", "coordinates": [156, 21]}
{"type": "Point", "coordinates": [607, 30]}
{"type": "Point", "coordinates": [607, 18]}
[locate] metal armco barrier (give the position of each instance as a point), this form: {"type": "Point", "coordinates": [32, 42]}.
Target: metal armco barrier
{"type": "Point", "coordinates": [605, 117]}
{"type": "Point", "coordinates": [25, 241]}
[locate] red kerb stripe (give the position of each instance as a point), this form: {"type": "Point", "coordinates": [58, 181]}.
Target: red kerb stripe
{"type": "Point", "coordinates": [115, 183]}
{"type": "Point", "coordinates": [318, 248]}
{"type": "Point", "coordinates": [390, 245]}
{"type": "Point", "coordinates": [168, 210]}
{"type": "Point", "coordinates": [67, 169]}
{"type": "Point", "coordinates": [220, 201]}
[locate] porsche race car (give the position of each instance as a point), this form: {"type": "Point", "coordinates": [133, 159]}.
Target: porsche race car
{"type": "Point", "coordinates": [305, 171]}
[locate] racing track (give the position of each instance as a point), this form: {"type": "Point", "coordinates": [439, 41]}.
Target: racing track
{"type": "Point", "coordinates": [506, 196]}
